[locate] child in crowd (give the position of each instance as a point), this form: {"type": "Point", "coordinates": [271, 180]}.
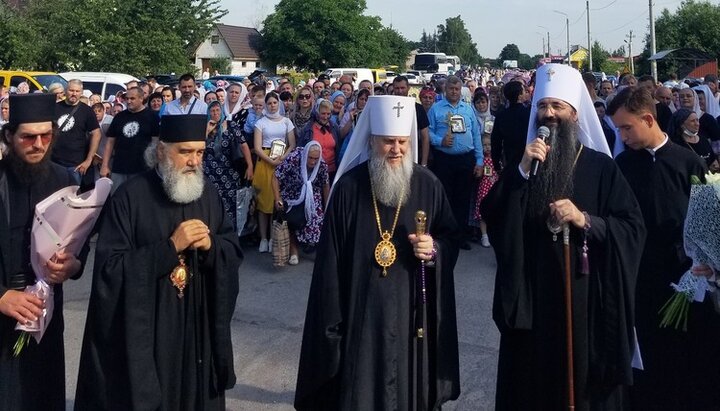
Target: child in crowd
{"type": "Point", "coordinates": [254, 115]}
{"type": "Point", "coordinates": [485, 182]}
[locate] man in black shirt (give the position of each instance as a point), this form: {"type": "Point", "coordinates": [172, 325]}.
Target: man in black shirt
{"type": "Point", "coordinates": [72, 147]}
{"type": "Point", "coordinates": [401, 88]}
{"type": "Point", "coordinates": [129, 134]}
{"type": "Point", "coordinates": [510, 129]}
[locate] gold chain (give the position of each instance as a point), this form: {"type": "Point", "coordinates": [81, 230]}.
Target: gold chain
{"type": "Point", "coordinates": [377, 213]}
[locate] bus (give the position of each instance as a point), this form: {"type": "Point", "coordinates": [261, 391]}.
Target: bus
{"type": "Point", "coordinates": [454, 61]}
{"type": "Point", "coordinates": [431, 63]}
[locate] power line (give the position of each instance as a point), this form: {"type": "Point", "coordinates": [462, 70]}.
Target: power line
{"type": "Point", "coordinates": [604, 7]}
{"type": "Point", "coordinates": [644, 12]}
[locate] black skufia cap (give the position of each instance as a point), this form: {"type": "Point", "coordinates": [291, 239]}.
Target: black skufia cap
{"type": "Point", "coordinates": [181, 128]}
{"type": "Point", "coordinates": [31, 108]}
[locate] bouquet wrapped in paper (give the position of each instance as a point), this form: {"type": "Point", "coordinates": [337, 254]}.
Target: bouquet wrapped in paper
{"type": "Point", "coordinates": [62, 222]}
{"type": "Point", "coordinates": [702, 243]}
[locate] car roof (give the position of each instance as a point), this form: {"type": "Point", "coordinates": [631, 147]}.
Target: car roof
{"type": "Point", "coordinates": [96, 76]}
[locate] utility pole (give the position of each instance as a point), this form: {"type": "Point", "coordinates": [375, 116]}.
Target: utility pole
{"type": "Point", "coordinates": [587, 11]}
{"type": "Point", "coordinates": [653, 50]}
{"type": "Point", "coordinates": [631, 63]}
{"type": "Point", "coordinates": [567, 31]}
{"type": "Point", "coordinates": [549, 53]}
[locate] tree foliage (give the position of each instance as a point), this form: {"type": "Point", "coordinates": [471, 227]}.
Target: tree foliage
{"type": "Point", "coordinates": [428, 42]}
{"type": "Point", "coordinates": [509, 52]}
{"type": "Point", "coordinates": [395, 47]}
{"type": "Point", "coordinates": [317, 34]}
{"type": "Point", "coordinates": [454, 39]}
{"type": "Point", "coordinates": [129, 36]}
{"type": "Point", "coordinates": [693, 24]}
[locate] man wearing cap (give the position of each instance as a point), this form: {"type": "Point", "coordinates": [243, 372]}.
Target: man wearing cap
{"type": "Point", "coordinates": [34, 380]}
{"type": "Point", "coordinates": [158, 327]}
{"type": "Point", "coordinates": [78, 136]}
{"type": "Point", "coordinates": [380, 329]}
{"type": "Point", "coordinates": [577, 185]}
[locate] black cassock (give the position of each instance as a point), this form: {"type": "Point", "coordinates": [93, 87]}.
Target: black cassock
{"type": "Point", "coordinates": [529, 305]}
{"type": "Point", "coordinates": [36, 379]}
{"type": "Point", "coordinates": [140, 345]}
{"type": "Point", "coordinates": [358, 346]}
{"type": "Point", "coordinates": [679, 374]}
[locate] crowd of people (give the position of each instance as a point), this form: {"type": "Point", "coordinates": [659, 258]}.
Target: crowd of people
{"type": "Point", "coordinates": [614, 173]}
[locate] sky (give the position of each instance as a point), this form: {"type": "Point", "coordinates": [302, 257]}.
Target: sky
{"type": "Point", "coordinates": [493, 24]}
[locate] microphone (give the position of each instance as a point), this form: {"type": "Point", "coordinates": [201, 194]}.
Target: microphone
{"type": "Point", "coordinates": [543, 134]}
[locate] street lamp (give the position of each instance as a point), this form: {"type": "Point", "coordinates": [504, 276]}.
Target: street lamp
{"type": "Point", "coordinates": [567, 30]}
{"type": "Point", "coordinates": [548, 41]}
{"type": "Point", "coordinates": [542, 36]}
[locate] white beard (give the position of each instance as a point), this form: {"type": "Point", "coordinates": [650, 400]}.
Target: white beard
{"type": "Point", "coordinates": [180, 187]}
{"type": "Point", "coordinates": [389, 183]}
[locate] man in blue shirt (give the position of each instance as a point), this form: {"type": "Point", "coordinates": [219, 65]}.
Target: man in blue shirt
{"type": "Point", "coordinates": [187, 103]}
{"type": "Point", "coordinates": [455, 136]}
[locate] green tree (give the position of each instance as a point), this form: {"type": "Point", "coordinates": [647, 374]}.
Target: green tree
{"type": "Point", "coordinates": [120, 35]}
{"type": "Point", "coordinates": [454, 39]}
{"type": "Point", "coordinates": [15, 37]}
{"type": "Point", "coordinates": [599, 55]}
{"type": "Point", "coordinates": [509, 52]}
{"type": "Point", "coordinates": [221, 64]}
{"type": "Point", "coordinates": [693, 24]}
{"type": "Point", "coordinates": [296, 34]}
{"type": "Point", "coordinates": [428, 42]}
{"type": "Point", "coordinates": [396, 48]}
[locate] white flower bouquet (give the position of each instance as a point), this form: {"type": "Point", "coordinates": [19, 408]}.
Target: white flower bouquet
{"type": "Point", "coordinates": [702, 243]}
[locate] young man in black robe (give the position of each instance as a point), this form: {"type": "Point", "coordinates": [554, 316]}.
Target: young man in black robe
{"type": "Point", "coordinates": [370, 340]}
{"type": "Point", "coordinates": [164, 290]}
{"type": "Point", "coordinates": [678, 373]}
{"type": "Point", "coordinates": [34, 380]}
{"type": "Point", "coordinates": [578, 184]}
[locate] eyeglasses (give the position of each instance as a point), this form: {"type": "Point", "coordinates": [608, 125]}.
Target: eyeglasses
{"type": "Point", "coordinates": [304, 97]}
{"type": "Point", "coordinates": [28, 140]}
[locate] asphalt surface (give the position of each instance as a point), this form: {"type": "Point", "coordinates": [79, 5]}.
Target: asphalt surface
{"type": "Point", "coordinates": [268, 322]}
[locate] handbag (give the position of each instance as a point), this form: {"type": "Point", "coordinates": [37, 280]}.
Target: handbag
{"type": "Point", "coordinates": [280, 242]}
{"type": "Point", "coordinates": [295, 218]}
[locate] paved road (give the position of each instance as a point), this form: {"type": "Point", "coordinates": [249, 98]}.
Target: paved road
{"type": "Point", "coordinates": [267, 330]}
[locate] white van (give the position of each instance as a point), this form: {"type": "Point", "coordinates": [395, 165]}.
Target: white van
{"type": "Point", "coordinates": [105, 84]}
{"type": "Point", "coordinates": [358, 75]}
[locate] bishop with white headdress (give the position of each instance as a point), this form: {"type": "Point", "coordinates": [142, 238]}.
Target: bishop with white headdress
{"type": "Point", "coordinates": [578, 184]}
{"type": "Point", "coordinates": [363, 345]}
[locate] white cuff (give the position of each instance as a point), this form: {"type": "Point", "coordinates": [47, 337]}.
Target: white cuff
{"type": "Point", "coordinates": [525, 175]}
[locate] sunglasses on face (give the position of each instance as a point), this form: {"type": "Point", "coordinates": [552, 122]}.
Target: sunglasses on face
{"type": "Point", "coordinates": [27, 140]}
{"type": "Point", "coordinates": [304, 97]}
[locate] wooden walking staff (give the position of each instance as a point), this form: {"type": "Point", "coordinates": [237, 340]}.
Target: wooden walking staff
{"type": "Point", "coordinates": [568, 317]}
{"type": "Point", "coordinates": [420, 315]}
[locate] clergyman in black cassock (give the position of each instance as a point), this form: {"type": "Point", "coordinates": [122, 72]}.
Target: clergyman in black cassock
{"type": "Point", "coordinates": [360, 346]}
{"type": "Point", "coordinates": [149, 344]}
{"type": "Point", "coordinates": [529, 302]}
{"type": "Point", "coordinates": [678, 373]}
{"type": "Point", "coordinates": [34, 380]}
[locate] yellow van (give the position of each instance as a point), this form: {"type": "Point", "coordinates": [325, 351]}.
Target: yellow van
{"type": "Point", "coordinates": [379, 75]}
{"type": "Point", "coordinates": [37, 80]}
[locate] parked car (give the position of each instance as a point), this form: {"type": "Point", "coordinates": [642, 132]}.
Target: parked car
{"type": "Point", "coordinates": [37, 80]}
{"type": "Point", "coordinates": [414, 80]}
{"type": "Point", "coordinates": [104, 84]}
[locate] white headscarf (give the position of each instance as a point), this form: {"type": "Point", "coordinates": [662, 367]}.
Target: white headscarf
{"type": "Point", "coordinates": [711, 105]}
{"type": "Point", "coordinates": [565, 83]}
{"type": "Point", "coordinates": [276, 115]}
{"type": "Point", "coordinates": [306, 191]}
{"type": "Point", "coordinates": [240, 103]}
{"type": "Point", "coordinates": [358, 149]}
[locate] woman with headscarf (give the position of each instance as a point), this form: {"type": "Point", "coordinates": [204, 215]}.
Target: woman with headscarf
{"type": "Point", "coordinates": [4, 111]}
{"type": "Point", "coordinates": [690, 99]}
{"type": "Point", "coordinates": [237, 100]}
{"type": "Point", "coordinates": [337, 99]}
{"type": "Point", "coordinates": [709, 126]}
{"type": "Point", "coordinates": [427, 97]}
{"type": "Point", "coordinates": [481, 107]}
{"type": "Point", "coordinates": [217, 159]}
{"type": "Point", "coordinates": [683, 131]}
{"type": "Point", "coordinates": [302, 180]}
{"type": "Point", "coordinates": [347, 89]}
{"type": "Point", "coordinates": [23, 88]}
{"type": "Point", "coordinates": [272, 126]}
{"type": "Point", "coordinates": [347, 124]}
{"type": "Point", "coordinates": [325, 132]}
{"type": "Point", "coordinates": [303, 108]}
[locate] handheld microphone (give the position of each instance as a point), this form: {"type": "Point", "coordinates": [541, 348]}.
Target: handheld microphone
{"type": "Point", "coordinates": [543, 134]}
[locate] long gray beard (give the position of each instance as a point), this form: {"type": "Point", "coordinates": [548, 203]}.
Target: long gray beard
{"type": "Point", "coordinates": [181, 188]}
{"type": "Point", "coordinates": [554, 180]}
{"type": "Point", "coordinates": [391, 185]}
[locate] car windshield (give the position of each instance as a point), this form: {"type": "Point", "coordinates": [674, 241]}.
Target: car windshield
{"type": "Point", "coordinates": [46, 80]}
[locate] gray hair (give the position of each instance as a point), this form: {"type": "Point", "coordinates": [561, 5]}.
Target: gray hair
{"type": "Point", "coordinates": [77, 82]}
{"type": "Point", "coordinates": [453, 80]}
{"type": "Point", "coordinates": [150, 155]}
